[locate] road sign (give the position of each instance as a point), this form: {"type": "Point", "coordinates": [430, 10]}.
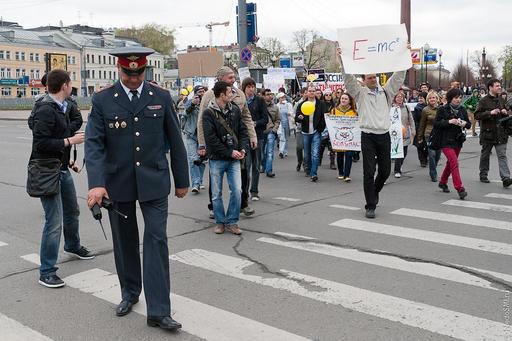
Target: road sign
{"type": "Point", "coordinates": [246, 54]}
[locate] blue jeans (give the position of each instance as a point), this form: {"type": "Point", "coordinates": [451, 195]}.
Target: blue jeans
{"type": "Point", "coordinates": [312, 152]}
{"type": "Point", "coordinates": [344, 160]}
{"type": "Point", "coordinates": [269, 151]}
{"type": "Point", "coordinates": [433, 159]}
{"type": "Point", "coordinates": [60, 213]}
{"type": "Point", "coordinates": [283, 140]}
{"type": "Point", "coordinates": [196, 172]}
{"type": "Point", "coordinates": [234, 176]}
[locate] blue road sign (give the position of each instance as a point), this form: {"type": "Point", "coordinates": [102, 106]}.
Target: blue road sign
{"type": "Point", "coordinates": [246, 54]}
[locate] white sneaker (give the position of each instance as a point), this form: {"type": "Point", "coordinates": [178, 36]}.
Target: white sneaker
{"type": "Point", "coordinates": [211, 215]}
{"type": "Point", "coordinates": [195, 190]}
{"type": "Point", "coordinates": [201, 187]}
{"type": "Point", "coordinates": [255, 198]}
{"type": "Point", "coordinates": [398, 175]}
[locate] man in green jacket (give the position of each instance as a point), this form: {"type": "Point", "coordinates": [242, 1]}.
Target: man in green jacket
{"type": "Point", "coordinates": [470, 105]}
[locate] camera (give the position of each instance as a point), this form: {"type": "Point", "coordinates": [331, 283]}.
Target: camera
{"type": "Point", "coordinates": [228, 139]}
{"type": "Point", "coordinates": [506, 124]}
{"type": "Point", "coordinates": [202, 159]}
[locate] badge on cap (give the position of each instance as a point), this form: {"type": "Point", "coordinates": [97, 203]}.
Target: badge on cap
{"type": "Point", "coordinates": [111, 125]}
{"type": "Point", "coordinates": [123, 124]}
{"type": "Point", "coordinates": [117, 125]}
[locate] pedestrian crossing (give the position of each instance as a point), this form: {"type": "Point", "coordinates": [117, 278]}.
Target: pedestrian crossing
{"type": "Point", "coordinates": [208, 322]}
{"type": "Point", "coordinates": [12, 330]}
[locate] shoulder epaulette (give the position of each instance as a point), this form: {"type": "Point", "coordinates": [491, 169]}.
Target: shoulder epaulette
{"type": "Point", "coordinates": [104, 88]}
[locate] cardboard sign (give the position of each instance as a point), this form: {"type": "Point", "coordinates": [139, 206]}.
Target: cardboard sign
{"type": "Point", "coordinates": [374, 49]}
{"type": "Point", "coordinates": [344, 132]}
{"type": "Point", "coordinates": [395, 131]}
{"type": "Point", "coordinates": [273, 82]}
{"type": "Point", "coordinates": [243, 73]}
{"type": "Point", "coordinates": [288, 73]}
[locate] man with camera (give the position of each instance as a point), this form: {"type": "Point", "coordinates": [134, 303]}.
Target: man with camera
{"type": "Point", "coordinates": [490, 109]}
{"type": "Point", "coordinates": [189, 120]}
{"type": "Point", "coordinates": [227, 142]}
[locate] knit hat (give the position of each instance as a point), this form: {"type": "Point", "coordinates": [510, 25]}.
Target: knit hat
{"type": "Point", "coordinates": [224, 70]}
{"type": "Point", "coordinates": [198, 88]}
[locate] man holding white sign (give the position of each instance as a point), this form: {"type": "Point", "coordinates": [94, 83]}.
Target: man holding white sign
{"type": "Point", "coordinates": [366, 51]}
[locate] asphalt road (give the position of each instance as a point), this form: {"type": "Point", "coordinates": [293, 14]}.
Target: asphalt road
{"type": "Point", "coordinates": [425, 269]}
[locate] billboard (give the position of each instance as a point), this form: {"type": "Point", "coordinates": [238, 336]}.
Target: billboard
{"type": "Point", "coordinates": [199, 64]}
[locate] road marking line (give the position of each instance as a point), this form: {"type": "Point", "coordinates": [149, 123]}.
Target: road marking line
{"type": "Point", "coordinates": [454, 218]}
{"type": "Point", "coordinates": [24, 138]}
{"type": "Point", "coordinates": [32, 258]}
{"type": "Point", "coordinates": [351, 208]}
{"type": "Point", "coordinates": [415, 314]}
{"type": "Point", "coordinates": [12, 330]}
{"type": "Point", "coordinates": [499, 196]}
{"type": "Point", "coordinates": [425, 269]}
{"type": "Point", "coordinates": [3, 244]}
{"type": "Point", "coordinates": [429, 236]}
{"type": "Point", "coordinates": [291, 235]}
{"type": "Point", "coordinates": [479, 205]}
{"type": "Point", "coordinates": [287, 199]}
{"type": "Point", "coordinates": [199, 319]}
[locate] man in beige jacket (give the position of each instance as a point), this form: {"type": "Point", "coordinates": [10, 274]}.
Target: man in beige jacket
{"type": "Point", "coordinates": [226, 74]}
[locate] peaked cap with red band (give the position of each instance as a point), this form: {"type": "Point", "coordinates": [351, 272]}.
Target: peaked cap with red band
{"type": "Point", "coordinates": [132, 58]}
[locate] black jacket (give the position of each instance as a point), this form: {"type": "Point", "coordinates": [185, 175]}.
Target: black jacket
{"type": "Point", "coordinates": [416, 114]}
{"type": "Point", "coordinates": [50, 126]}
{"type": "Point", "coordinates": [490, 131]}
{"type": "Point", "coordinates": [318, 117]}
{"type": "Point", "coordinates": [259, 113]}
{"type": "Point", "coordinates": [218, 147]}
{"type": "Point", "coordinates": [452, 135]}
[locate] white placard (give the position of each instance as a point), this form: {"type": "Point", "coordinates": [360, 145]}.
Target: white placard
{"type": "Point", "coordinates": [344, 132]}
{"type": "Point", "coordinates": [395, 131]}
{"type": "Point", "coordinates": [374, 49]}
{"type": "Point", "coordinates": [243, 73]}
{"type": "Point", "coordinates": [411, 106]}
{"type": "Point", "coordinates": [273, 82]}
{"type": "Point", "coordinates": [288, 73]}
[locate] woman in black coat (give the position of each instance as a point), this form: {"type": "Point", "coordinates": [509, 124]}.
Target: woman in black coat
{"type": "Point", "coordinates": [450, 121]}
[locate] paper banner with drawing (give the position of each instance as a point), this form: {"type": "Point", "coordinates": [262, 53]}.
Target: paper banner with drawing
{"type": "Point", "coordinates": [273, 82]}
{"type": "Point", "coordinates": [395, 131]}
{"type": "Point", "coordinates": [374, 49]}
{"type": "Point", "coordinates": [344, 132]}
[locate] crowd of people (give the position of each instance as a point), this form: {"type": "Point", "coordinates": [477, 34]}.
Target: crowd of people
{"type": "Point", "coordinates": [435, 124]}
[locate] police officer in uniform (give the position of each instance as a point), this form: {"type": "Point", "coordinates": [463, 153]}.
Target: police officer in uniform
{"type": "Point", "coordinates": [128, 131]}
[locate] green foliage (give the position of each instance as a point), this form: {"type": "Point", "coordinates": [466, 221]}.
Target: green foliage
{"type": "Point", "coordinates": [506, 60]}
{"type": "Point", "coordinates": [151, 35]}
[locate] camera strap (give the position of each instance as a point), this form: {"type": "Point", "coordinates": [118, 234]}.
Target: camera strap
{"type": "Point", "coordinates": [223, 122]}
{"type": "Point", "coordinates": [73, 164]}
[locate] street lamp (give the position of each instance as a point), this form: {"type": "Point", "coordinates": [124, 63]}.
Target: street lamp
{"type": "Point", "coordinates": [440, 55]}
{"type": "Point", "coordinates": [426, 47]}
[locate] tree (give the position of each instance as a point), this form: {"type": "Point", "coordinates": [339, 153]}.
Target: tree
{"type": "Point", "coordinates": [462, 73]}
{"type": "Point", "coordinates": [506, 60]}
{"type": "Point", "coordinates": [269, 51]}
{"type": "Point", "coordinates": [317, 51]}
{"type": "Point", "coordinates": [152, 35]}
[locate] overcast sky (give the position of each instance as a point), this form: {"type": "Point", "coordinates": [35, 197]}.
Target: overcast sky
{"type": "Point", "coordinates": [454, 26]}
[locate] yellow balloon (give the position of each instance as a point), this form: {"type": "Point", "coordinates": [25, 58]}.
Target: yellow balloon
{"type": "Point", "coordinates": [307, 108]}
{"type": "Point", "coordinates": [190, 88]}
{"type": "Point", "coordinates": [312, 77]}
{"type": "Point", "coordinates": [184, 92]}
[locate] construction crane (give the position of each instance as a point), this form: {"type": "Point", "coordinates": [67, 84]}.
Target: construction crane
{"type": "Point", "coordinates": [208, 26]}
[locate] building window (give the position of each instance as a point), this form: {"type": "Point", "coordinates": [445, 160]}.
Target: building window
{"type": "Point", "coordinates": [99, 74]}
{"type": "Point", "coordinates": [36, 57]}
{"type": "Point", "coordinates": [7, 55]}
{"type": "Point", "coordinates": [87, 58]}
{"type": "Point", "coordinates": [17, 55]}
{"type": "Point", "coordinates": [6, 92]}
{"type": "Point", "coordinates": [92, 73]}
{"type": "Point", "coordinates": [104, 60]}
{"type": "Point", "coordinates": [31, 57]}
{"type": "Point", "coordinates": [36, 75]}
{"type": "Point", "coordinates": [32, 73]}
{"type": "Point", "coordinates": [2, 73]}
{"type": "Point", "coordinates": [34, 91]}
{"type": "Point", "coordinates": [73, 76]}
{"type": "Point", "coordinates": [22, 92]}
{"type": "Point", "coordinates": [22, 55]}
{"type": "Point", "coordinates": [92, 58]}
{"type": "Point", "coordinates": [105, 74]}
{"type": "Point", "coordinates": [110, 75]}
{"type": "Point", "coordinates": [8, 73]}
{"type": "Point", "coordinates": [115, 75]}
{"type": "Point", "coordinates": [159, 61]}
{"type": "Point", "coordinates": [73, 60]}
{"type": "Point", "coordinates": [110, 59]}
{"type": "Point", "coordinates": [23, 72]}
{"type": "Point", "coordinates": [2, 54]}
{"type": "Point", "coordinates": [18, 73]}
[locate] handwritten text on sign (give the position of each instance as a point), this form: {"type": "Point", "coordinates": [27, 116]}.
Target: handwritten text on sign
{"type": "Point", "coordinates": [344, 132]}
{"type": "Point", "coordinates": [374, 49]}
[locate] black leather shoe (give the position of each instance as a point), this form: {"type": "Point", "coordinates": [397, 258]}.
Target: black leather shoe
{"type": "Point", "coordinates": [484, 179]}
{"type": "Point", "coordinates": [125, 307]}
{"type": "Point", "coordinates": [164, 322]}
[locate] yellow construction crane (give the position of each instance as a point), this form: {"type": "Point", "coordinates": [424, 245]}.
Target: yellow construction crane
{"type": "Point", "coordinates": [208, 26]}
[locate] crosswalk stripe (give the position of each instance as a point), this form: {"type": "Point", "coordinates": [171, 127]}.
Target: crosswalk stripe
{"type": "Point", "coordinates": [32, 258]}
{"type": "Point", "coordinates": [287, 199]}
{"type": "Point", "coordinates": [454, 218]}
{"type": "Point", "coordinates": [499, 196]}
{"type": "Point", "coordinates": [291, 235]}
{"type": "Point", "coordinates": [415, 314]}
{"type": "Point", "coordinates": [425, 269]}
{"type": "Point", "coordinates": [345, 207]}
{"type": "Point", "coordinates": [199, 319]}
{"type": "Point", "coordinates": [479, 205]}
{"type": "Point", "coordinates": [12, 330]}
{"type": "Point", "coordinates": [429, 236]}
{"type": "Point", "coordinates": [3, 244]}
